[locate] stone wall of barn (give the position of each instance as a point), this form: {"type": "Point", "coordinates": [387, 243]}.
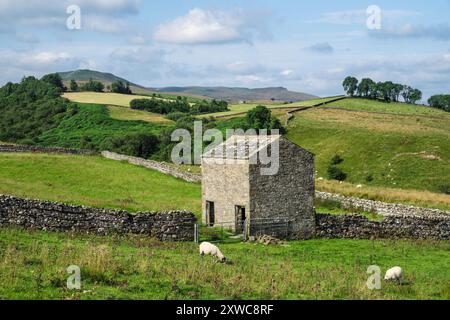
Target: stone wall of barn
{"type": "Point", "coordinates": [287, 195]}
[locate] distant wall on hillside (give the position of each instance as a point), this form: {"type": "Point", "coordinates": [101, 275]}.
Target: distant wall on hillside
{"type": "Point", "coordinates": [50, 216]}
{"type": "Point", "coordinates": [392, 227]}
{"type": "Point", "coordinates": [38, 149]}
{"type": "Point", "coordinates": [158, 166]}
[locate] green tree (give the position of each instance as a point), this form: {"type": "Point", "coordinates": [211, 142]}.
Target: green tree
{"type": "Point", "coordinates": [364, 88]}
{"type": "Point", "coordinates": [92, 85]}
{"type": "Point", "coordinates": [373, 90]}
{"type": "Point", "coordinates": [120, 87]}
{"type": "Point", "coordinates": [441, 101]}
{"type": "Point", "coordinates": [141, 145]}
{"type": "Point", "coordinates": [416, 95]}
{"type": "Point", "coordinates": [261, 118]}
{"type": "Point", "coordinates": [396, 91]}
{"type": "Point", "coordinates": [334, 172]}
{"type": "Point", "coordinates": [350, 85]}
{"type": "Point", "coordinates": [406, 93]}
{"type": "Point", "coordinates": [385, 90]}
{"type": "Point", "coordinates": [73, 85]}
{"type": "Point", "coordinates": [54, 79]}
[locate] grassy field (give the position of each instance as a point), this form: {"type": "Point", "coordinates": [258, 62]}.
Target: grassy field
{"type": "Point", "coordinates": [82, 180]}
{"type": "Point", "coordinates": [382, 150]}
{"type": "Point", "coordinates": [239, 109]}
{"type": "Point", "coordinates": [128, 114]}
{"type": "Point", "coordinates": [94, 181]}
{"type": "Point", "coordinates": [113, 99]}
{"type": "Point", "coordinates": [33, 266]}
{"type": "Point", "coordinates": [394, 107]}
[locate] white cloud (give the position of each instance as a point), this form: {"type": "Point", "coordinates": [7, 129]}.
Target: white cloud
{"type": "Point", "coordinates": [287, 73]}
{"type": "Point", "coordinates": [36, 62]}
{"type": "Point", "coordinates": [210, 27]}
{"type": "Point", "coordinates": [250, 80]}
{"type": "Point", "coordinates": [96, 15]}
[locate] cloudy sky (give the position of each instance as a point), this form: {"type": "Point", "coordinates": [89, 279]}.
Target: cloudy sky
{"type": "Point", "coordinates": [307, 46]}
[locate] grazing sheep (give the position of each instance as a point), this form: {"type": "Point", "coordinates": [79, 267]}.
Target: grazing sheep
{"type": "Point", "coordinates": [395, 273]}
{"type": "Point", "coordinates": [207, 248]}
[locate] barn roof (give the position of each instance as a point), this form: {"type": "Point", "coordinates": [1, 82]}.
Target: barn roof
{"type": "Point", "coordinates": [242, 147]}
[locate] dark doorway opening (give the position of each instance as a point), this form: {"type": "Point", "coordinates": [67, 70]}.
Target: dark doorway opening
{"type": "Point", "coordinates": [210, 214]}
{"type": "Point", "coordinates": [241, 217]}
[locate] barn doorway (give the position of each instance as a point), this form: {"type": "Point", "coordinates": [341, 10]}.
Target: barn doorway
{"type": "Point", "coordinates": [241, 217]}
{"type": "Point", "coordinates": [210, 214]}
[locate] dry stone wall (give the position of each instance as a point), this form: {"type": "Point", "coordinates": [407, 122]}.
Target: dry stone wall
{"type": "Point", "coordinates": [37, 149]}
{"type": "Point", "coordinates": [155, 165]}
{"type": "Point", "coordinates": [392, 227]}
{"type": "Point", "coordinates": [50, 216]}
{"type": "Point", "coordinates": [382, 208]}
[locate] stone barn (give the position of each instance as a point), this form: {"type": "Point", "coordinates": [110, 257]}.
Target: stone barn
{"type": "Point", "coordinates": [236, 189]}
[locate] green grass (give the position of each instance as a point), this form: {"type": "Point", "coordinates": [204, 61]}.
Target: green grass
{"type": "Point", "coordinates": [94, 181]}
{"type": "Point", "coordinates": [310, 103]}
{"type": "Point", "coordinates": [394, 107]}
{"type": "Point", "coordinates": [33, 266]}
{"type": "Point", "coordinates": [398, 151]}
{"type": "Point", "coordinates": [239, 109]}
{"type": "Point", "coordinates": [128, 114]}
{"type": "Point", "coordinates": [95, 122]}
{"type": "Point", "coordinates": [107, 98]}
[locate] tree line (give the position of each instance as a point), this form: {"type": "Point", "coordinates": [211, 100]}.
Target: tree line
{"type": "Point", "coordinates": [441, 101]}
{"type": "Point", "coordinates": [97, 86]}
{"type": "Point", "coordinates": [387, 91]}
{"type": "Point", "coordinates": [180, 105]}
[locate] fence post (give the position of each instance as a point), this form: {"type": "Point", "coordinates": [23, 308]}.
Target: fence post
{"type": "Point", "coordinates": [246, 230]}
{"type": "Point", "coordinates": [196, 233]}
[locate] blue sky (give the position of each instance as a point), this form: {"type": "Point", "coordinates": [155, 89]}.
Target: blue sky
{"type": "Point", "coordinates": [307, 46]}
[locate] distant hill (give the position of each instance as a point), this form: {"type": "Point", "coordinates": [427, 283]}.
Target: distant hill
{"type": "Point", "coordinates": [278, 94]}
{"type": "Point", "coordinates": [85, 75]}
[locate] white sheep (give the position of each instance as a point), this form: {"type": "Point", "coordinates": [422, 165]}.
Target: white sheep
{"type": "Point", "coordinates": [395, 273]}
{"type": "Point", "coordinates": [207, 248]}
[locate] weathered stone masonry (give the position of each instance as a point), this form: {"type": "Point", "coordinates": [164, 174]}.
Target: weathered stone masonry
{"type": "Point", "coordinates": [38, 149]}
{"type": "Point", "coordinates": [50, 216]}
{"type": "Point", "coordinates": [392, 227]}
{"type": "Point", "coordinates": [155, 165]}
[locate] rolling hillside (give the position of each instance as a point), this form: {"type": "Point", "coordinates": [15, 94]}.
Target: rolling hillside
{"type": "Point", "coordinates": [395, 146]}
{"type": "Point", "coordinates": [82, 76]}
{"type": "Point", "coordinates": [195, 93]}
{"type": "Point", "coordinates": [242, 94]}
{"type": "Point", "coordinates": [388, 145]}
